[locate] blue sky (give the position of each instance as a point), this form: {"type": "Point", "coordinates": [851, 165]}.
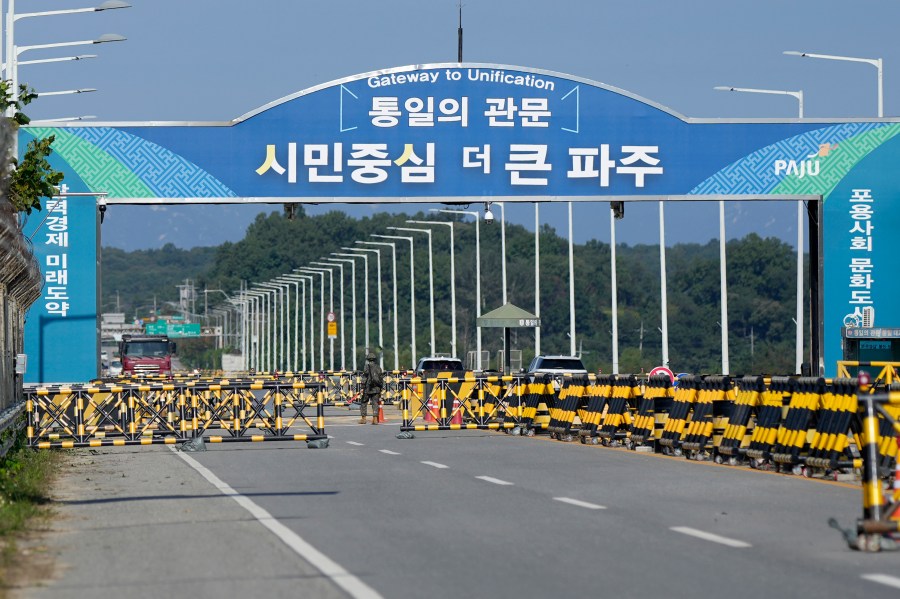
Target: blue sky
{"type": "Point", "coordinates": [218, 59]}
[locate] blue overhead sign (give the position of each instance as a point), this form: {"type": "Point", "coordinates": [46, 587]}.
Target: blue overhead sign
{"type": "Point", "coordinates": [448, 131]}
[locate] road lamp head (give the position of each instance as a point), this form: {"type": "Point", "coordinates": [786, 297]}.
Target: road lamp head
{"type": "Point", "coordinates": [110, 37]}
{"type": "Point", "coordinates": [111, 5]}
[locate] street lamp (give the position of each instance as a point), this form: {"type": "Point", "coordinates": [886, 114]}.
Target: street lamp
{"type": "Point", "coordinates": [322, 271]}
{"type": "Point", "coordinates": [875, 62]}
{"type": "Point", "coordinates": [452, 278]}
{"type": "Point", "coordinates": [331, 265]}
{"type": "Point", "coordinates": [13, 53]}
{"type": "Point", "coordinates": [430, 278]}
{"type": "Point", "coordinates": [412, 290]}
{"type": "Point", "coordinates": [779, 92]}
{"type": "Point", "coordinates": [356, 254]}
{"type": "Point", "coordinates": [477, 278]}
{"type": "Point", "coordinates": [280, 336]}
{"type": "Point", "coordinates": [352, 264]}
{"type": "Point", "coordinates": [393, 247]}
{"type": "Point", "coordinates": [274, 349]}
{"type": "Point", "coordinates": [380, 309]}
{"type": "Point", "coordinates": [66, 92]}
{"type": "Point", "coordinates": [321, 274]}
{"type": "Point", "coordinates": [309, 280]}
{"type": "Point", "coordinates": [298, 303]}
{"type": "Point", "coordinates": [799, 317]}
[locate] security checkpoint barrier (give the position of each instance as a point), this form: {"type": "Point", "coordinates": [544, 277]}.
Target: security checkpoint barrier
{"type": "Point", "coordinates": [470, 403]}
{"type": "Point", "coordinates": [737, 435]}
{"type": "Point", "coordinates": [172, 413]}
{"type": "Point", "coordinates": [713, 405]}
{"type": "Point", "coordinates": [682, 404]}
{"type": "Point", "coordinates": [617, 420]}
{"type": "Point", "coordinates": [887, 372]}
{"type": "Point", "coordinates": [540, 398]}
{"type": "Point", "coordinates": [653, 411]}
{"type": "Point", "coordinates": [599, 394]}
{"type": "Point", "coordinates": [794, 432]}
{"type": "Point", "coordinates": [879, 527]}
{"type": "Point", "coordinates": [829, 448]}
{"type": "Point", "coordinates": [768, 419]}
{"type": "Point", "coordinates": [568, 403]}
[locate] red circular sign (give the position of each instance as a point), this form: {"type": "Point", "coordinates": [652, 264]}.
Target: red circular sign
{"type": "Point", "coordinates": [663, 370]}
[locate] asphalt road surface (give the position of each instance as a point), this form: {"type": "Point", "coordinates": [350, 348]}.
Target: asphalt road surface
{"type": "Point", "coordinates": [449, 514]}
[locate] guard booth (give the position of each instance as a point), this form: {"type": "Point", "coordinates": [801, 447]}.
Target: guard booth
{"type": "Point", "coordinates": [875, 347]}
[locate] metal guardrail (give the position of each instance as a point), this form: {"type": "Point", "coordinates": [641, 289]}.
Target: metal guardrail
{"type": "Point", "coordinates": [10, 421]}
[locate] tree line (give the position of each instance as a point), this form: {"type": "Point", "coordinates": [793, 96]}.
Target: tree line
{"type": "Point", "coordinates": [761, 289]}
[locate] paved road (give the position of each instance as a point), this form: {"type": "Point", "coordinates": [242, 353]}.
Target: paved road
{"type": "Point", "coordinates": [457, 514]}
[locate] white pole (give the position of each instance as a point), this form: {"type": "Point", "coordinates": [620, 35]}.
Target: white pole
{"type": "Point", "coordinates": [664, 315]}
{"type": "Point", "coordinates": [614, 289]}
{"type": "Point", "coordinates": [477, 292]}
{"type": "Point", "coordinates": [537, 276]}
{"type": "Point", "coordinates": [352, 302]}
{"type": "Point", "coordinates": [572, 287]}
{"type": "Point", "coordinates": [724, 288]}
{"type": "Point", "coordinates": [799, 343]}
{"type": "Point", "coordinates": [503, 249]}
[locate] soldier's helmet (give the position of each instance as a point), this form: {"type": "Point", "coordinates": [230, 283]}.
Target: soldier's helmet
{"type": "Point", "coordinates": [370, 357]}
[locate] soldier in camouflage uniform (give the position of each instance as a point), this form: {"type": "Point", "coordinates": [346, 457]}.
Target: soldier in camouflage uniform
{"type": "Point", "coordinates": [373, 378]}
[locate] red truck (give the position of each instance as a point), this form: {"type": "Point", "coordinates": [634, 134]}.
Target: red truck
{"type": "Point", "coordinates": [146, 354]}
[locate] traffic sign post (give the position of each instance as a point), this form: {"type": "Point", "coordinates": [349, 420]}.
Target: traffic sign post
{"type": "Point", "coordinates": [331, 322]}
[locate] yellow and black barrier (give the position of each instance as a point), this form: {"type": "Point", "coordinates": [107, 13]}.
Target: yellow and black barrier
{"type": "Point", "coordinates": [540, 398]}
{"type": "Point", "coordinates": [618, 420]}
{"type": "Point", "coordinates": [469, 403]}
{"type": "Point", "coordinates": [172, 413]}
{"type": "Point", "coordinates": [599, 394]}
{"type": "Point", "coordinates": [796, 427]}
{"type": "Point", "coordinates": [768, 419]}
{"type": "Point", "coordinates": [653, 411]}
{"type": "Point", "coordinates": [571, 399]}
{"type": "Point", "coordinates": [682, 404]}
{"type": "Point", "coordinates": [737, 435]}
{"type": "Point", "coordinates": [713, 405]}
{"type": "Point", "coordinates": [879, 527]}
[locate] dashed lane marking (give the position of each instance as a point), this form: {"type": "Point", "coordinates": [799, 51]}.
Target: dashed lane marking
{"type": "Point", "coordinates": [493, 480]}
{"type": "Point", "coordinates": [435, 464]}
{"type": "Point", "coordinates": [708, 536]}
{"type": "Point", "coordinates": [891, 581]}
{"type": "Point", "coordinates": [388, 451]}
{"type": "Point", "coordinates": [579, 503]}
{"type": "Point", "coordinates": [355, 443]}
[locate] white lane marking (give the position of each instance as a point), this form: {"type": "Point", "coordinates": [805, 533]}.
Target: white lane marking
{"type": "Point", "coordinates": [708, 536]}
{"type": "Point", "coordinates": [435, 464]}
{"type": "Point", "coordinates": [491, 479]}
{"type": "Point", "coordinates": [338, 575]}
{"type": "Point", "coordinates": [579, 503]}
{"type": "Point", "coordinates": [891, 581]}
{"type": "Point", "coordinates": [355, 443]}
{"type": "Point", "coordinates": [388, 451]}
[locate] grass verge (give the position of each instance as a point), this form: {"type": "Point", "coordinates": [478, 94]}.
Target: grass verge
{"type": "Point", "coordinates": [25, 480]}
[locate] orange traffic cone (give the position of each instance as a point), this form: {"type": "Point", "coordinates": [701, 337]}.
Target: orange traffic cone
{"type": "Point", "coordinates": [380, 413]}
{"type": "Point", "coordinates": [430, 407]}
{"type": "Point", "coordinates": [457, 412]}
